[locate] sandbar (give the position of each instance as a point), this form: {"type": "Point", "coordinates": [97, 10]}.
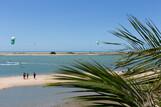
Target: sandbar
{"type": "Point", "coordinates": [57, 53]}
{"type": "Point", "coordinates": [18, 81]}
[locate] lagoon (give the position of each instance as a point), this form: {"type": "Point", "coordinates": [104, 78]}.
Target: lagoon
{"type": "Point", "coordinates": [16, 65]}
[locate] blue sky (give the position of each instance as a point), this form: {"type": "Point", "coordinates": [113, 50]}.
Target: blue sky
{"type": "Point", "coordinates": [68, 25]}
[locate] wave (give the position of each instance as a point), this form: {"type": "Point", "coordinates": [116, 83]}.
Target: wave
{"type": "Point", "coordinates": [9, 63]}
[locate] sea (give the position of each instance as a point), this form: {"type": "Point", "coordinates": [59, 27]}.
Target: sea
{"type": "Point", "coordinates": [40, 96]}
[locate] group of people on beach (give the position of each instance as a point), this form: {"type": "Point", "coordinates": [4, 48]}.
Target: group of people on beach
{"type": "Point", "coordinates": [26, 75]}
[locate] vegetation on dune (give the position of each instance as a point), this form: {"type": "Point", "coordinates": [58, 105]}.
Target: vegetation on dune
{"type": "Point", "coordinates": [139, 86]}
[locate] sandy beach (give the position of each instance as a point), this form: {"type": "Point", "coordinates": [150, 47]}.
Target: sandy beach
{"type": "Point", "coordinates": [17, 81]}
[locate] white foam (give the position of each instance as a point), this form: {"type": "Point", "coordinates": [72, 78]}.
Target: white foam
{"type": "Point", "coordinates": [9, 63]}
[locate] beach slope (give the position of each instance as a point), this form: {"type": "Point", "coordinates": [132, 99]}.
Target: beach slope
{"type": "Point", "coordinates": [17, 81]}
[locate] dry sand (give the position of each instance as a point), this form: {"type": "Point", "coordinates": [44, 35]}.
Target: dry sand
{"type": "Point", "coordinates": [17, 81]}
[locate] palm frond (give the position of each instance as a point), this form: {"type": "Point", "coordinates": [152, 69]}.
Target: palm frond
{"type": "Point", "coordinates": [108, 88]}
{"type": "Point", "coordinates": [145, 46]}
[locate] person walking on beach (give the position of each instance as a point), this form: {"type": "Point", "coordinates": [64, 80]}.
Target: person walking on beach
{"type": "Point", "coordinates": [34, 74]}
{"type": "Point", "coordinates": [27, 75]}
{"type": "Point", "coordinates": [24, 75]}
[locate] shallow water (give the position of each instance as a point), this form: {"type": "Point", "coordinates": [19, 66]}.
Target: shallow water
{"type": "Point", "coordinates": [33, 96]}
{"type": "Point", "coordinates": [16, 65]}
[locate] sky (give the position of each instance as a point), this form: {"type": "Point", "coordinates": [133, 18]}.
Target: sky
{"type": "Point", "coordinates": [69, 25]}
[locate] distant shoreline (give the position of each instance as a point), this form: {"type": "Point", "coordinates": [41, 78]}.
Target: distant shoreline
{"type": "Point", "coordinates": [57, 53]}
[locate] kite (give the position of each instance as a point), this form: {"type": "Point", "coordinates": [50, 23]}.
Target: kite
{"type": "Point", "coordinates": [13, 39]}
{"type": "Point", "coordinates": [97, 42]}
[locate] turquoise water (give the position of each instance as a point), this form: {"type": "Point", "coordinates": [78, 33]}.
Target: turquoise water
{"type": "Point", "coordinates": [16, 65]}
{"type": "Point", "coordinates": [40, 96]}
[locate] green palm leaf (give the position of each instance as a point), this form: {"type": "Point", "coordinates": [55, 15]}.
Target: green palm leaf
{"type": "Point", "coordinates": [107, 87]}
{"type": "Point", "coordinates": [145, 46]}
{"type": "Point", "coordinates": [139, 87]}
